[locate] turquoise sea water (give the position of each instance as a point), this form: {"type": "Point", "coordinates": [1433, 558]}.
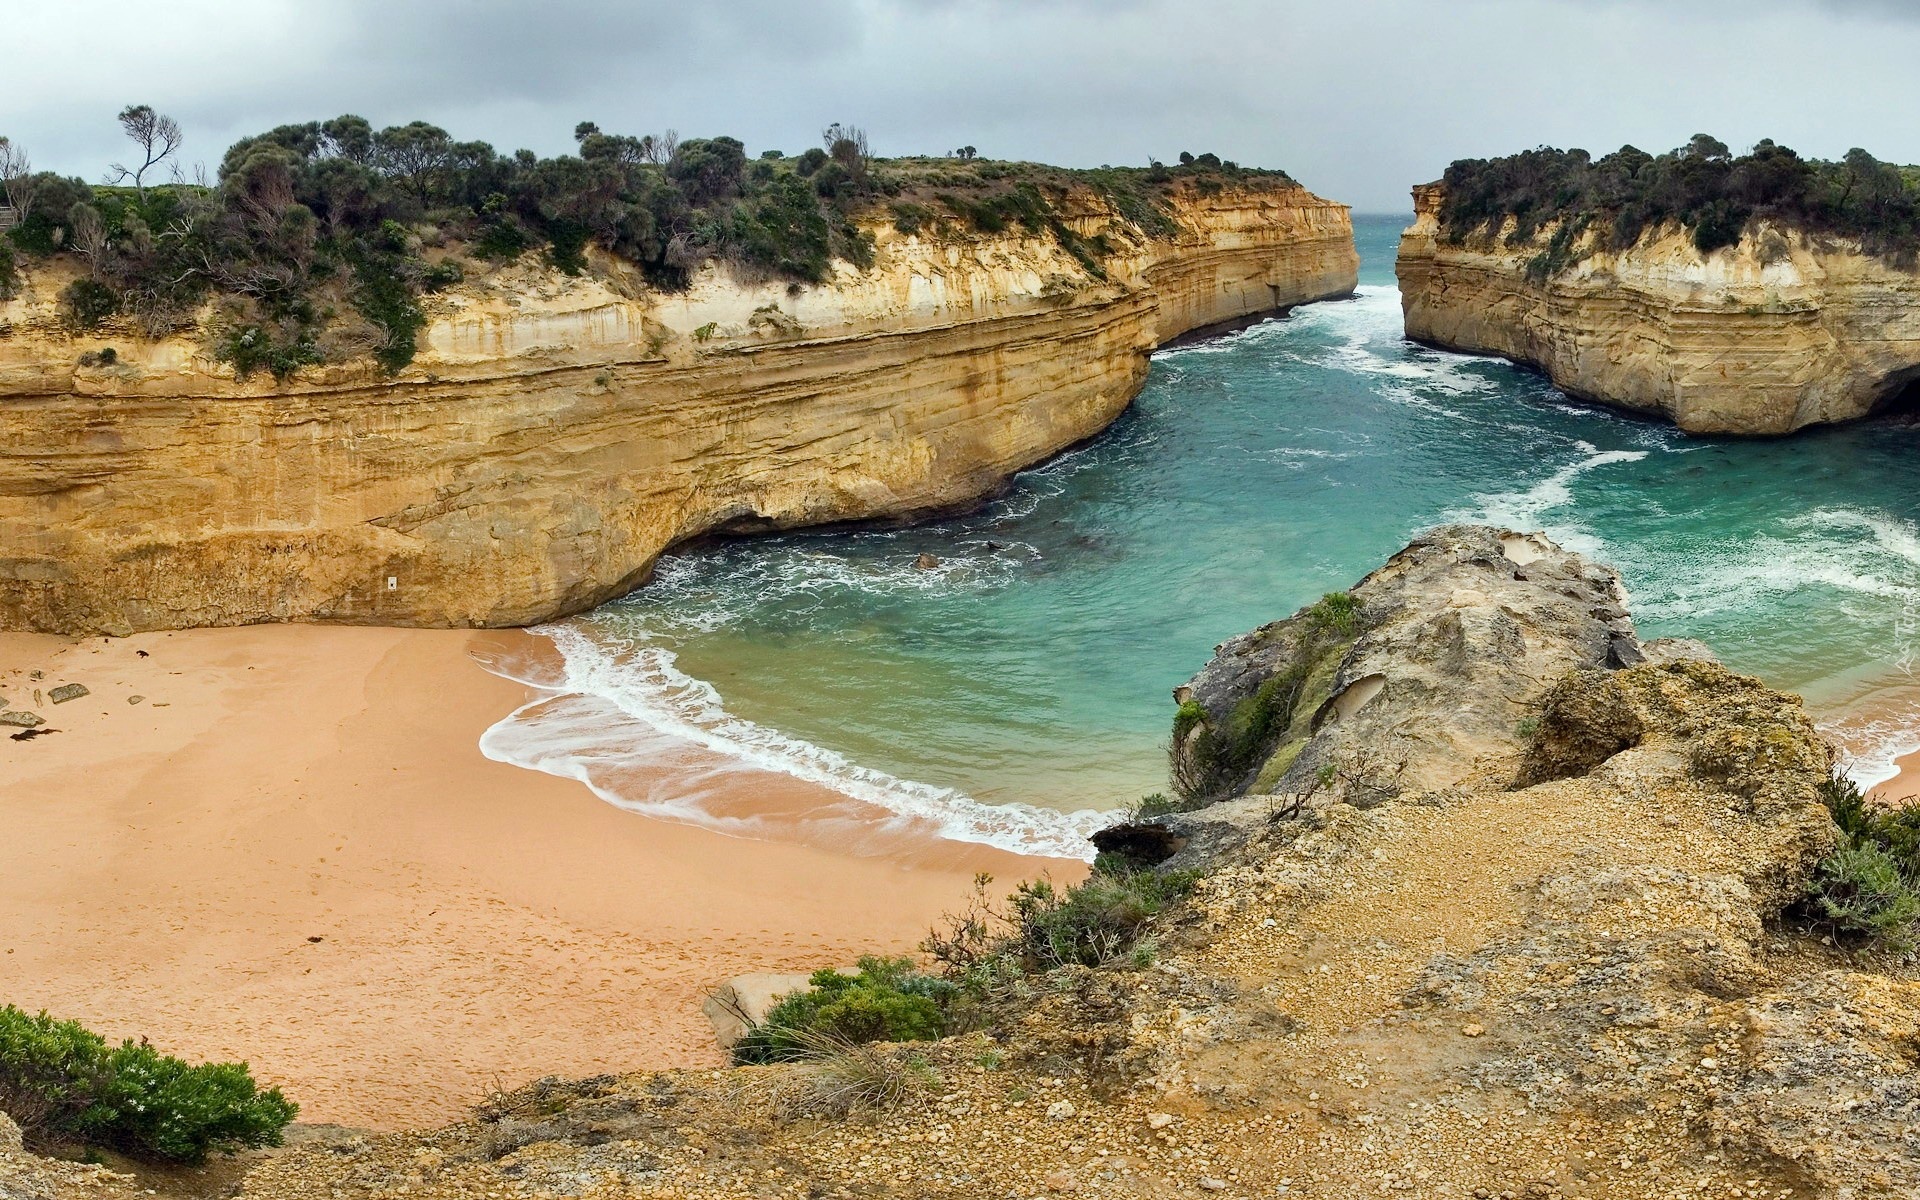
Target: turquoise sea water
{"type": "Point", "coordinates": [1028, 677]}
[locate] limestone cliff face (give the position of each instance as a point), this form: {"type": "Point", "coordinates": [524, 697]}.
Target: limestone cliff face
{"type": "Point", "coordinates": [1778, 332]}
{"type": "Point", "coordinates": [556, 434]}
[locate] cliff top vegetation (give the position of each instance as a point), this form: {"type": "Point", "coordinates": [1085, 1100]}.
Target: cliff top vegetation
{"type": "Point", "coordinates": [1702, 187]}
{"type": "Point", "coordinates": [317, 241]}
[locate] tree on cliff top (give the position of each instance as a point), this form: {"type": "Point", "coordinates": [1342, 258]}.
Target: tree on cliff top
{"type": "Point", "coordinates": [1701, 187]}
{"type": "Point", "coordinates": [318, 239]}
{"type": "Point", "coordinates": [16, 178]}
{"type": "Point", "coordinates": [157, 135]}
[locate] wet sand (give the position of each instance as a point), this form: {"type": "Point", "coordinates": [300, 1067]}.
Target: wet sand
{"type": "Point", "coordinates": [292, 852]}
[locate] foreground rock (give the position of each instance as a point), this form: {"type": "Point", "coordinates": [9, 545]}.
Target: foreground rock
{"type": "Point", "coordinates": [555, 434]}
{"type": "Point", "coordinates": [1548, 960]}
{"type": "Point", "coordinates": [1780, 331]}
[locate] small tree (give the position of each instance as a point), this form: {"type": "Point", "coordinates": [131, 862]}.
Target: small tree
{"type": "Point", "coordinates": [966, 152]}
{"type": "Point", "coordinates": [16, 177]}
{"type": "Point", "coordinates": [418, 153]}
{"type": "Point", "coordinates": [847, 145]}
{"type": "Point", "coordinates": [156, 134]}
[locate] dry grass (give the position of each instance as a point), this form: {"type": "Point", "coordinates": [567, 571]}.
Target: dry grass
{"type": "Point", "coordinates": [837, 1078]}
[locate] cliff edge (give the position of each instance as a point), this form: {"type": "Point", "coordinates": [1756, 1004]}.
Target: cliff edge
{"type": "Point", "coordinates": [1781, 330]}
{"type": "Point", "coordinates": [1524, 929]}
{"type": "Point", "coordinates": [554, 434]}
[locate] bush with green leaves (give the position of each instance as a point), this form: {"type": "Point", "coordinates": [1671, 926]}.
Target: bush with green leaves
{"type": "Point", "coordinates": [88, 303]}
{"type": "Point", "coordinates": [1702, 187]}
{"type": "Point", "coordinates": [1869, 889]}
{"type": "Point", "coordinates": [311, 222]}
{"type": "Point", "coordinates": [888, 1000]}
{"type": "Point", "coordinates": [64, 1084]}
{"type": "Point", "coordinates": [1210, 753]}
{"type": "Point", "coordinates": [1093, 923]}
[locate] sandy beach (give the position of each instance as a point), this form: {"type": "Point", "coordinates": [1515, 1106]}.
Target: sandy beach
{"type": "Point", "coordinates": [291, 851]}
{"type": "Point", "coordinates": [1903, 786]}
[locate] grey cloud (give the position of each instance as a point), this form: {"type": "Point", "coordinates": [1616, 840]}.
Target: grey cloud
{"type": "Point", "coordinates": [1358, 98]}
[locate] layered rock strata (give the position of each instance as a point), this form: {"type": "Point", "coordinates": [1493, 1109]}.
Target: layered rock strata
{"type": "Point", "coordinates": [1778, 332]}
{"type": "Point", "coordinates": [556, 434]}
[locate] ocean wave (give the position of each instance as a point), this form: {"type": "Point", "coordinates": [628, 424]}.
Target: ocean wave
{"type": "Point", "coordinates": [1873, 743]}
{"type": "Point", "coordinates": [1527, 509]}
{"type": "Point", "coordinates": [1808, 550]}
{"type": "Point", "coordinates": [667, 712]}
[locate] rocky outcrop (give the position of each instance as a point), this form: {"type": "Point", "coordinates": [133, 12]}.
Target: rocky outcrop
{"type": "Point", "coordinates": [555, 434]}
{"type": "Point", "coordinates": [1549, 960]}
{"type": "Point", "coordinates": [1781, 331]}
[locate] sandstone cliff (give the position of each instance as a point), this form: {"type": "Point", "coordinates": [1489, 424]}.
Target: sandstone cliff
{"type": "Point", "coordinates": [1530, 937]}
{"type": "Point", "coordinates": [556, 434]}
{"type": "Point", "coordinates": [1778, 332]}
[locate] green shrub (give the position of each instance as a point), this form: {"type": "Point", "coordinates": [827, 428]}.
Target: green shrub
{"type": "Point", "coordinates": [1159, 805]}
{"type": "Point", "coordinates": [1870, 887]}
{"type": "Point", "coordinates": [385, 293]}
{"type": "Point", "coordinates": [567, 246]}
{"type": "Point", "coordinates": [910, 218]}
{"type": "Point", "coordinates": [1336, 611]}
{"type": "Point", "coordinates": [250, 348]}
{"type": "Point", "coordinates": [1702, 187]}
{"type": "Point", "coordinates": [89, 303]}
{"type": "Point", "coordinates": [1091, 923]}
{"type": "Point", "coordinates": [784, 231]}
{"type": "Point", "coordinates": [8, 279]}
{"type": "Point", "coordinates": [65, 1084]}
{"type": "Point", "coordinates": [441, 275]}
{"type": "Point", "coordinates": [887, 1001]}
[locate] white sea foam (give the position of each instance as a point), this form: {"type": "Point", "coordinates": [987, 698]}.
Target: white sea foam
{"type": "Point", "coordinates": [1822, 548]}
{"type": "Point", "coordinates": [1874, 739]}
{"type": "Point", "coordinates": [1528, 509]}
{"type": "Point", "coordinates": [669, 714]}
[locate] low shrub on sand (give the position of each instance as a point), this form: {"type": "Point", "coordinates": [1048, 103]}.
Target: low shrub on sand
{"type": "Point", "coordinates": [64, 1084]}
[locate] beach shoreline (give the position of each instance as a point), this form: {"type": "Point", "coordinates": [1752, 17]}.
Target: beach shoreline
{"type": "Point", "coordinates": [291, 851]}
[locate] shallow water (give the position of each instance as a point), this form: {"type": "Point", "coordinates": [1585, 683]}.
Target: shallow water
{"type": "Point", "coordinates": [1022, 686]}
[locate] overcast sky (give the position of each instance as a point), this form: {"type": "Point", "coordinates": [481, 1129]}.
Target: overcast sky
{"type": "Point", "coordinates": [1357, 98]}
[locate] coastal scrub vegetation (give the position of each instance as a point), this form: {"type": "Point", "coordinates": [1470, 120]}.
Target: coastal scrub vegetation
{"type": "Point", "coordinates": [1208, 754]}
{"type": "Point", "coordinates": [887, 1000]}
{"type": "Point", "coordinates": [1869, 888]}
{"type": "Point", "coordinates": [985, 953]}
{"type": "Point", "coordinates": [65, 1085]}
{"type": "Point", "coordinates": [1702, 187]}
{"type": "Point", "coordinates": [319, 242]}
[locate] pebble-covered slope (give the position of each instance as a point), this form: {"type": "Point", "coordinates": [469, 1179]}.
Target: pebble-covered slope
{"type": "Point", "coordinates": [1548, 967]}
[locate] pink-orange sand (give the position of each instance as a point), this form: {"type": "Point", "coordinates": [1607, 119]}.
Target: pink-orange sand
{"type": "Point", "coordinates": [292, 852]}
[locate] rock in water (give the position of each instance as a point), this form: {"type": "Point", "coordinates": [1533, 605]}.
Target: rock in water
{"type": "Point", "coordinates": [926, 562]}
{"type": "Point", "coordinates": [1424, 677]}
{"type": "Point", "coordinates": [1519, 933]}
